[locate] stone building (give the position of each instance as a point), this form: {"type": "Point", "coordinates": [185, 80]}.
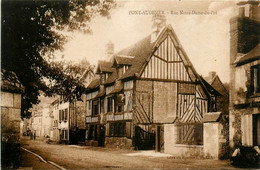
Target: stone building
{"type": "Point", "coordinates": [11, 93]}
{"type": "Point", "coordinates": [69, 117]}
{"type": "Point", "coordinates": [36, 121]}
{"type": "Point", "coordinates": [54, 112]}
{"type": "Point", "coordinates": [149, 96]}
{"type": "Point", "coordinates": [244, 115]}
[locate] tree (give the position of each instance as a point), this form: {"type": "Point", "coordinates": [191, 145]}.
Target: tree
{"type": "Point", "coordinates": [31, 32]}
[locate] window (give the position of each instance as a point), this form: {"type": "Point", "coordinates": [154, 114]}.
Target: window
{"type": "Point", "coordinates": [95, 108]}
{"type": "Point", "coordinates": [117, 129]}
{"type": "Point", "coordinates": [66, 115]}
{"type": "Point", "coordinates": [110, 104]}
{"type": "Point", "coordinates": [63, 115]}
{"type": "Point", "coordinates": [92, 132]}
{"type": "Point", "coordinates": [120, 108]}
{"type": "Point", "coordinates": [120, 102]}
{"type": "Point", "coordinates": [64, 135]}
{"type": "Point", "coordinates": [102, 78]}
{"type": "Point", "coordinates": [255, 79]}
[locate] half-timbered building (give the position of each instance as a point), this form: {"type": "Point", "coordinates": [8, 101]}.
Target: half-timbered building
{"type": "Point", "coordinates": [150, 96]}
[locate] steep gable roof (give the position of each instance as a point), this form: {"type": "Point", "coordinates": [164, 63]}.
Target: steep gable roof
{"type": "Point", "coordinates": [142, 51]}
{"type": "Point", "coordinates": [217, 84]}
{"type": "Point", "coordinates": [209, 88]}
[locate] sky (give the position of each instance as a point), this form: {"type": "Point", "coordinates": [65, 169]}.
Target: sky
{"type": "Point", "coordinates": [201, 26]}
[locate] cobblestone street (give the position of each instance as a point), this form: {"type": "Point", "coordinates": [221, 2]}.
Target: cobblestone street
{"type": "Point", "coordinates": [85, 157]}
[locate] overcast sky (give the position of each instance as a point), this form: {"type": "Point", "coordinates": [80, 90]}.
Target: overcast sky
{"type": "Point", "coordinates": [205, 37]}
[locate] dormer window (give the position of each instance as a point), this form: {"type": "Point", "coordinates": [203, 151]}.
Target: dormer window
{"type": "Point", "coordinates": [102, 78]}
{"type": "Point", "coordinates": [125, 67]}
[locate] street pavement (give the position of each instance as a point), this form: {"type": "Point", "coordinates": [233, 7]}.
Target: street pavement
{"type": "Point", "coordinates": [30, 161]}
{"type": "Point", "coordinates": [87, 157]}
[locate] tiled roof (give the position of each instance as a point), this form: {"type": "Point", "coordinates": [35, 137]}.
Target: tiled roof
{"type": "Point", "coordinates": [101, 92]}
{"type": "Point", "coordinates": [217, 84]}
{"type": "Point", "coordinates": [112, 78]}
{"type": "Point", "coordinates": [10, 82]}
{"type": "Point", "coordinates": [209, 88]}
{"type": "Point", "coordinates": [142, 51]}
{"type": "Point", "coordinates": [124, 60]}
{"type": "Point", "coordinates": [105, 67]}
{"type": "Point", "coordinates": [118, 87]}
{"type": "Point", "coordinates": [251, 56]}
{"type": "Point", "coordinates": [94, 84]}
{"type": "Point", "coordinates": [212, 117]}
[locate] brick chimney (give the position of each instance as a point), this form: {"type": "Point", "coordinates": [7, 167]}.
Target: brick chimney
{"type": "Point", "coordinates": [244, 29]}
{"type": "Point", "coordinates": [159, 22]}
{"type": "Point", "coordinates": [212, 75]}
{"type": "Point", "coordinates": [109, 50]}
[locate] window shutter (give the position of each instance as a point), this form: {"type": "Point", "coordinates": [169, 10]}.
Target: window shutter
{"type": "Point", "coordinates": [105, 105]}
{"type": "Point", "coordinates": [113, 105]}
{"type": "Point", "coordinates": [62, 115]}
{"type": "Point", "coordinates": [128, 129]}
{"type": "Point", "coordinates": [251, 90]}
{"type": "Point", "coordinates": [59, 115]}
{"type": "Point", "coordinates": [66, 114]}
{"type": "Point", "coordinates": [107, 129]}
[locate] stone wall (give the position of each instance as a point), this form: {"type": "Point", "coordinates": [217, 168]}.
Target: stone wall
{"type": "Point", "coordinates": [118, 142]}
{"type": "Point", "coordinates": [10, 128]}
{"type": "Point", "coordinates": [179, 150]}
{"type": "Point", "coordinates": [10, 116]}
{"type": "Point", "coordinates": [215, 140]}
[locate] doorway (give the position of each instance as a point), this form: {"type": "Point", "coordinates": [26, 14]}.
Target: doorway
{"type": "Point", "coordinates": [256, 129]}
{"type": "Point", "coordinates": [159, 138]}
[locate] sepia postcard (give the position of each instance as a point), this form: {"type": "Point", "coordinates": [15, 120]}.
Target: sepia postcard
{"type": "Point", "coordinates": [104, 84]}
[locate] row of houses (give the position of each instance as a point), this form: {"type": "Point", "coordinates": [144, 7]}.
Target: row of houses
{"type": "Point", "coordinates": [59, 120]}
{"type": "Point", "coordinates": [149, 96]}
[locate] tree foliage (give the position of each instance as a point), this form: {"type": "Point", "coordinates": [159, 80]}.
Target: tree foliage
{"type": "Point", "coordinates": [32, 30]}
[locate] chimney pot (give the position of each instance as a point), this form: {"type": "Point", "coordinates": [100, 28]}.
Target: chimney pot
{"type": "Point", "coordinates": [109, 50]}
{"type": "Point", "coordinates": [212, 74]}
{"type": "Point", "coordinates": [242, 12]}
{"type": "Point", "coordinates": [254, 12]}
{"type": "Point", "coordinates": [159, 21]}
